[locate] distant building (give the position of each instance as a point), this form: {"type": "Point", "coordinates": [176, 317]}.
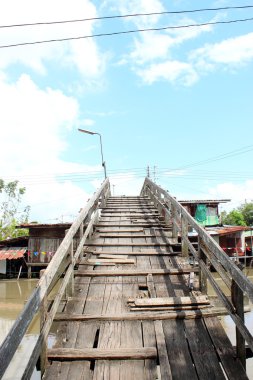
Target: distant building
{"type": "Point", "coordinates": [206, 212]}
{"type": "Point", "coordinates": [236, 241]}
{"type": "Point", "coordinates": [13, 257]}
{"type": "Point", "coordinates": [35, 251]}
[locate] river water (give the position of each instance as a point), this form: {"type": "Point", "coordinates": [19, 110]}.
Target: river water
{"type": "Point", "coordinates": [14, 294]}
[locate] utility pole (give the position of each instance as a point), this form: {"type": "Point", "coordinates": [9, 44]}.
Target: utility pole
{"type": "Point", "coordinates": [148, 172]}
{"type": "Point", "coordinates": [154, 173]}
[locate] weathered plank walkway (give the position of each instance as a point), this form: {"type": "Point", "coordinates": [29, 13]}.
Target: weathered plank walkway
{"type": "Point", "coordinates": [133, 314]}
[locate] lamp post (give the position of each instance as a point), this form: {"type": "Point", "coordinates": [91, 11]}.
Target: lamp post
{"type": "Point", "coordinates": [101, 147]}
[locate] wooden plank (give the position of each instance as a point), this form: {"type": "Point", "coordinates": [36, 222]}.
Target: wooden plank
{"type": "Point", "coordinates": [149, 340]}
{"type": "Point", "coordinates": [134, 272]}
{"type": "Point", "coordinates": [115, 256]}
{"type": "Point", "coordinates": [119, 230]}
{"type": "Point", "coordinates": [204, 357]}
{"type": "Point", "coordinates": [68, 354]}
{"type": "Point", "coordinates": [178, 352]}
{"type": "Point", "coordinates": [168, 308]}
{"type": "Point", "coordinates": [154, 244]}
{"type": "Point", "coordinates": [224, 349]}
{"type": "Point", "coordinates": [131, 253]}
{"type": "Point", "coordinates": [100, 261]}
{"type": "Point", "coordinates": [67, 336]}
{"type": "Point", "coordinates": [140, 316]}
{"type": "Point", "coordinates": [163, 301]}
{"type": "Point", "coordinates": [151, 286]}
{"type": "Point", "coordinates": [131, 336]}
{"type": "Point", "coordinates": [162, 352]}
{"type": "Point", "coordinates": [132, 236]}
{"type": "Point", "coordinates": [127, 224]}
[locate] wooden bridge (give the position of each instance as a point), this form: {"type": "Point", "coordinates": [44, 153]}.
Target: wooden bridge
{"type": "Point", "coordinates": [132, 301]}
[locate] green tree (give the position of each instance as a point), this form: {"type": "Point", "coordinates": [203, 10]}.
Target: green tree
{"type": "Point", "coordinates": [247, 211]}
{"type": "Point", "coordinates": [233, 218]}
{"type": "Point", "coordinates": [10, 201]}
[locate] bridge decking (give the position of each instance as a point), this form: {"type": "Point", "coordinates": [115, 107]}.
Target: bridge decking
{"type": "Point", "coordinates": [110, 330]}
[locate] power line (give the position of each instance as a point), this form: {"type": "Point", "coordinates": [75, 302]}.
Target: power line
{"type": "Point", "coordinates": [127, 16]}
{"type": "Point", "coordinates": [232, 153]}
{"type": "Point", "coordinates": [126, 32]}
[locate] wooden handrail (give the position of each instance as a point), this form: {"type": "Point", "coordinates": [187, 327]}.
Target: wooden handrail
{"type": "Point", "coordinates": [59, 264]}
{"type": "Point", "coordinates": [208, 251]}
{"type": "Point", "coordinates": [242, 281]}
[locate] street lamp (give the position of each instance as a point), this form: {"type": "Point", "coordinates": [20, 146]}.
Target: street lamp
{"type": "Point", "coordinates": [101, 147]}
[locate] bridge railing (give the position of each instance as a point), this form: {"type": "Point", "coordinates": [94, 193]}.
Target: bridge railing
{"type": "Point", "coordinates": [62, 264]}
{"type": "Point", "coordinates": [208, 253]}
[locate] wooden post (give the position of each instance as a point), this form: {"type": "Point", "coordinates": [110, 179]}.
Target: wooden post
{"type": "Point", "coordinates": [43, 317]}
{"type": "Point", "coordinates": [29, 272]}
{"type": "Point", "coordinates": [81, 231]}
{"type": "Point", "coordinates": [184, 234]}
{"type": "Point", "coordinates": [70, 286]}
{"type": "Point", "coordinates": [173, 218]}
{"type": "Point", "coordinates": [237, 300]}
{"type": "Point", "coordinates": [202, 276]}
{"type": "Point", "coordinates": [167, 207]}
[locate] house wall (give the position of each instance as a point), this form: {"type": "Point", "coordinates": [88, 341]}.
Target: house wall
{"type": "Point", "coordinates": [41, 250]}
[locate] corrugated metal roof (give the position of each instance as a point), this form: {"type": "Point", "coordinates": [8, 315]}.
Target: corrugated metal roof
{"type": "Point", "coordinates": [226, 230]}
{"type": "Point", "coordinates": [12, 253]}
{"type": "Point", "coordinates": [44, 225]}
{"type": "Point", "coordinates": [205, 201]}
{"type": "Point", "coordinates": [20, 240]}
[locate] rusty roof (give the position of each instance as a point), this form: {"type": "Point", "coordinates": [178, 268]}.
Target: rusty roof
{"type": "Point", "coordinates": [44, 225]}
{"type": "Point", "coordinates": [12, 253]}
{"type": "Point", "coordinates": [226, 230]}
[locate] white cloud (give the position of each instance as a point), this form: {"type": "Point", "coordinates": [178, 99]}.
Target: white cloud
{"type": "Point", "coordinates": [238, 193]}
{"type": "Point", "coordinates": [34, 124]}
{"type": "Point", "coordinates": [88, 122]}
{"type": "Point", "coordinates": [172, 71]}
{"type": "Point", "coordinates": [140, 6]}
{"type": "Point", "coordinates": [230, 52]}
{"type": "Point", "coordinates": [150, 46]}
{"type": "Point", "coordinates": [151, 56]}
{"type": "Point", "coordinates": [82, 54]}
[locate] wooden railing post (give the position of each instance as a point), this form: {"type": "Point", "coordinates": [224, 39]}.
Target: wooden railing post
{"type": "Point", "coordinates": [184, 236]}
{"type": "Point", "coordinates": [81, 231]}
{"type": "Point", "coordinates": [237, 300]}
{"type": "Point", "coordinates": [43, 317]}
{"type": "Point", "coordinates": [202, 276]}
{"type": "Point", "coordinates": [70, 286]}
{"type": "Point", "coordinates": [173, 219]}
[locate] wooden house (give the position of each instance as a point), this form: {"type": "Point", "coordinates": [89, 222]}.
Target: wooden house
{"type": "Point", "coordinates": [43, 242]}
{"type": "Point", "coordinates": [206, 212]}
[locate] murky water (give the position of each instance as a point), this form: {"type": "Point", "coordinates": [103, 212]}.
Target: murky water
{"type": "Point", "coordinates": [229, 325]}
{"type": "Point", "coordinates": [13, 295]}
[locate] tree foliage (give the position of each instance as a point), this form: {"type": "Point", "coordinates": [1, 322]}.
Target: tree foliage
{"type": "Point", "coordinates": [10, 202]}
{"type": "Point", "coordinates": [241, 216]}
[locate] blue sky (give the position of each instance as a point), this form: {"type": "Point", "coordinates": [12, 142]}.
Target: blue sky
{"type": "Point", "coordinates": [167, 99]}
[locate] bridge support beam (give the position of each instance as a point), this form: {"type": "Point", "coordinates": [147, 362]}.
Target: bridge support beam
{"type": "Point", "coordinates": [237, 300]}
{"type": "Point", "coordinates": [202, 275]}
{"type": "Point", "coordinates": [184, 236]}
